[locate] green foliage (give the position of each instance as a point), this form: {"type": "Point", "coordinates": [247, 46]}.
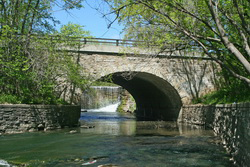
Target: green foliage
{"type": "Point", "coordinates": [9, 99]}
{"type": "Point", "coordinates": [74, 30]}
{"type": "Point", "coordinates": [29, 74]}
{"type": "Point", "coordinates": [126, 99]}
{"type": "Point", "coordinates": [31, 68]}
{"type": "Point", "coordinates": [237, 92]}
{"type": "Point", "coordinates": [219, 29]}
{"type": "Point", "coordinates": [120, 107]}
{"type": "Point", "coordinates": [40, 75]}
{"type": "Point", "coordinates": [33, 16]}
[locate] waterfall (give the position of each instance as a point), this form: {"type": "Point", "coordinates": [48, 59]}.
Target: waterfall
{"type": "Point", "coordinates": [98, 97]}
{"type": "Point", "coordinates": [108, 108]}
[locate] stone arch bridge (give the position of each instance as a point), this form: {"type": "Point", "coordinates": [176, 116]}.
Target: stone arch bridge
{"type": "Point", "coordinates": [159, 82]}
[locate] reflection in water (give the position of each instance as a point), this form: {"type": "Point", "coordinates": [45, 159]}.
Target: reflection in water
{"type": "Point", "coordinates": [125, 128]}
{"type": "Point", "coordinates": [126, 124]}
{"type": "Point", "coordinates": [108, 123]}
{"type": "Point", "coordinates": [116, 139]}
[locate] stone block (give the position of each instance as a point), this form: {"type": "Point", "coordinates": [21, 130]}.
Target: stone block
{"type": "Point", "coordinates": [231, 122]}
{"type": "Point", "coordinates": [21, 118]}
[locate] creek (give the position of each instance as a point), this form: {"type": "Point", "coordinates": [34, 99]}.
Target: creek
{"type": "Point", "coordinates": [116, 139]}
{"type": "Point", "coordinates": [111, 138]}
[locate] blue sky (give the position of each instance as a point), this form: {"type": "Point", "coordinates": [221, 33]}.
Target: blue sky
{"type": "Point", "coordinates": [91, 19]}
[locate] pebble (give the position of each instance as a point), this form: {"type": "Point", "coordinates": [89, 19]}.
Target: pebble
{"type": "Point", "coordinates": [87, 126]}
{"type": "Point", "coordinates": [107, 165]}
{"type": "Point", "coordinates": [77, 159]}
{"type": "Point", "coordinates": [40, 126]}
{"type": "Point", "coordinates": [72, 131]}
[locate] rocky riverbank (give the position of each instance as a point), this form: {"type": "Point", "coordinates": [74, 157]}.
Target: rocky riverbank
{"type": "Point", "coordinates": [127, 102]}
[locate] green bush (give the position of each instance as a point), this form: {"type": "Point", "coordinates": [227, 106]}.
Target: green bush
{"type": "Point", "coordinates": [9, 99]}
{"type": "Point", "coordinates": [234, 93]}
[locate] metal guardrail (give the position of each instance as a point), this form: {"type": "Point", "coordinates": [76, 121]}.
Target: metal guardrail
{"type": "Point", "coordinates": [113, 42]}
{"type": "Point", "coordinates": [99, 41]}
{"type": "Point", "coordinates": [83, 40]}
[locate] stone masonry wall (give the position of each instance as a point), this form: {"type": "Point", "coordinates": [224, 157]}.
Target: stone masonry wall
{"type": "Point", "coordinates": [175, 71]}
{"type": "Point", "coordinates": [22, 118]}
{"type": "Point", "coordinates": [231, 122]}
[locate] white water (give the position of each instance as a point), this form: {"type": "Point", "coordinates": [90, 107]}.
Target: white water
{"type": "Point", "coordinates": [4, 163]}
{"type": "Point", "coordinates": [109, 108]}
{"type": "Point", "coordinates": [100, 96]}
{"type": "Point", "coordinates": [106, 87]}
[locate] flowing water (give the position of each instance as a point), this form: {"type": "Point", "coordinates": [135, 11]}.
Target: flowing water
{"type": "Point", "coordinates": [109, 108]}
{"type": "Point", "coordinates": [110, 138]}
{"type": "Point", "coordinates": [114, 139]}
{"type": "Point", "coordinates": [100, 96]}
{"type": "Point", "coordinates": [117, 139]}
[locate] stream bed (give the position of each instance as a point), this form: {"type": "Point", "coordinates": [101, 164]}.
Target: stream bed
{"type": "Point", "coordinates": [111, 138]}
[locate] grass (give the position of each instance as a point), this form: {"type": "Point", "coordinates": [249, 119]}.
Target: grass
{"type": "Point", "coordinates": [233, 94]}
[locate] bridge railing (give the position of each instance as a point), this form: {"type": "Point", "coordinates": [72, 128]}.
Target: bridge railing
{"type": "Point", "coordinates": [113, 42]}
{"type": "Point", "coordinates": [70, 43]}
{"type": "Point", "coordinates": [95, 41]}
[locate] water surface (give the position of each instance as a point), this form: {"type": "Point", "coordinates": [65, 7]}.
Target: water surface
{"type": "Point", "coordinates": [117, 139]}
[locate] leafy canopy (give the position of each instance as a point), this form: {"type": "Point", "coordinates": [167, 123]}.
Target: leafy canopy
{"type": "Point", "coordinates": [74, 30]}
{"type": "Point", "coordinates": [31, 68]}
{"type": "Point", "coordinates": [219, 28]}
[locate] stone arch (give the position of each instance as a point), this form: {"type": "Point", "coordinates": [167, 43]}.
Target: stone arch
{"type": "Point", "coordinates": [156, 99]}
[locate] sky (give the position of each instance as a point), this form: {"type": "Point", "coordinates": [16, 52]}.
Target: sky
{"type": "Point", "coordinates": [91, 19]}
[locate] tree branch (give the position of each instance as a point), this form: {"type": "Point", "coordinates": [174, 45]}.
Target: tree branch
{"type": "Point", "coordinates": [25, 16]}
{"type": "Point", "coordinates": [183, 10]}
{"type": "Point", "coordinates": [243, 21]}
{"type": "Point", "coordinates": [217, 60]}
{"type": "Point", "coordinates": [242, 34]}
{"type": "Point", "coordinates": [229, 45]}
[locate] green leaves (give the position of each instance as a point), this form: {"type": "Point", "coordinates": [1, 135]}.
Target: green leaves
{"type": "Point", "coordinates": [220, 27]}
{"type": "Point", "coordinates": [30, 65]}
{"type": "Point", "coordinates": [232, 93]}
{"type": "Point", "coordinates": [74, 30]}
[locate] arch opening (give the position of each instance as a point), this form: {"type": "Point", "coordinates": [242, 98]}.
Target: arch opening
{"type": "Point", "coordinates": [155, 98]}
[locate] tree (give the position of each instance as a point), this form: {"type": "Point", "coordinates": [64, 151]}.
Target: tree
{"type": "Point", "coordinates": [32, 16]}
{"type": "Point", "coordinates": [219, 28]}
{"type": "Point", "coordinates": [73, 78]}
{"type": "Point", "coordinates": [74, 30]}
{"type": "Point", "coordinates": [29, 68]}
